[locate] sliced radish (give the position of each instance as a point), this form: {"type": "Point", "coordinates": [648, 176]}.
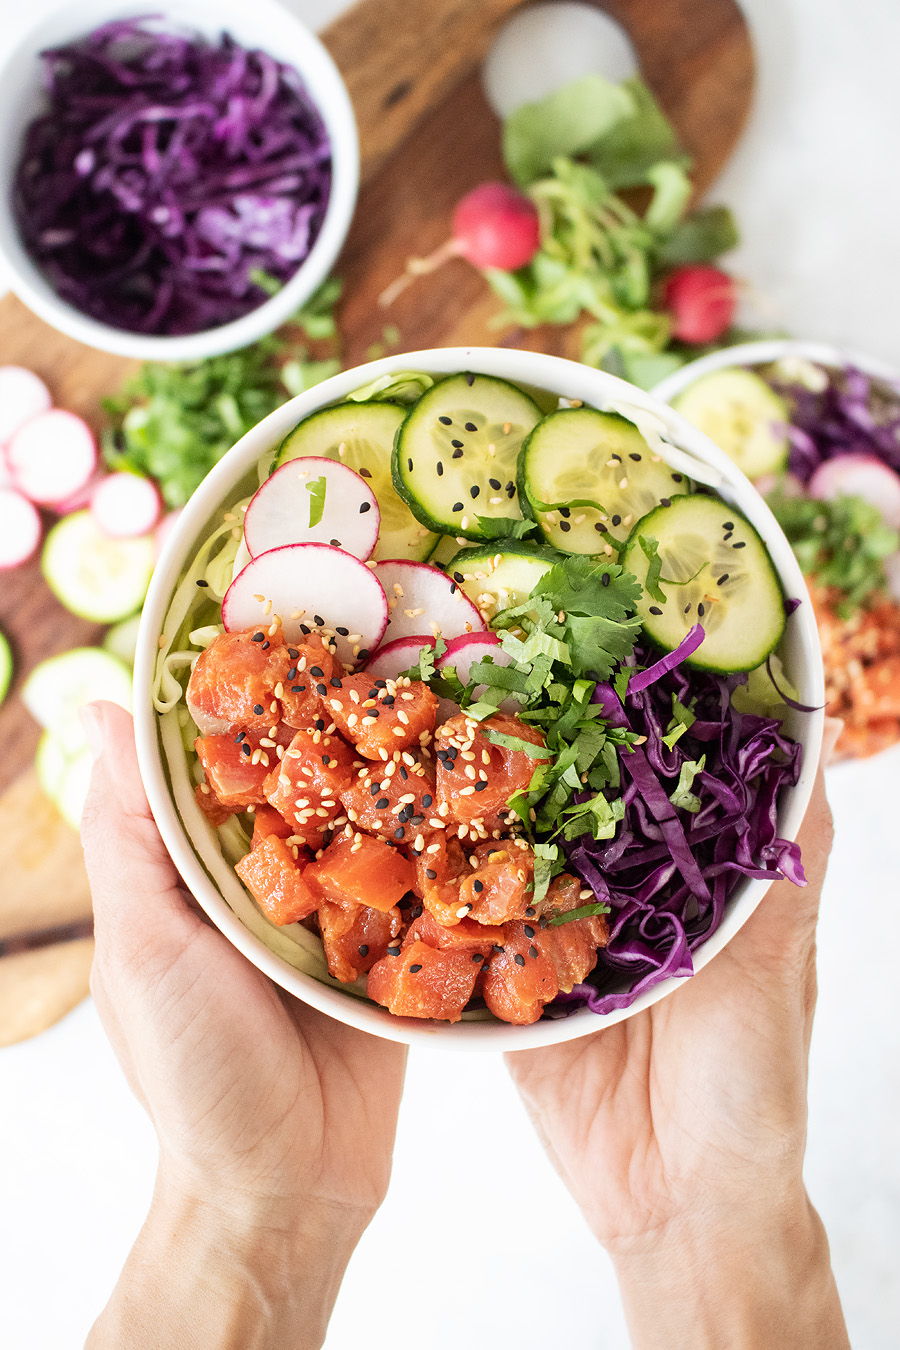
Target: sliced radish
{"type": "Point", "coordinates": [81, 499]}
{"type": "Point", "coordinates": [463, 652]}
{"type": "Point", "coordinates": [311, 586]}
{"type": "Point", "coordinates": [52, 456]}
{"type": "Point", "coordinates": [308, 489]}
{"type": "Point", "coordinates": [859, 475]}
{"type": "Point", "coordinates": [126, 504]}
{"type": "Point", "coordinates": [20, 529]}
{"type": "Point", "coordinates": [22, 396]}
{"type": "Point", "coordinates": [420, 597]}
{"type": "Point", "coordinates": [6, 478]}
{"type": "Point", "coordinates": [394, 657]}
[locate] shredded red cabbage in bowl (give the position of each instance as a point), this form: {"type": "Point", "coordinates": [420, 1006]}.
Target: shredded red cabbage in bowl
{"type": "Point", "coordinates": [167, 172]}
{"type": "Point", "coordinates": [668, 873]}
{"type": "Point", "coordinates": [852, 411]}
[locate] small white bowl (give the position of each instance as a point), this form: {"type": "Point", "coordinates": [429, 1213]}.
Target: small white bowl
{"type": "Point", "coordinates": [262, 24]}
{"type": "Point", "coordinates": [569, 380]}
{"type": "Point", "coordinates": [763, 352]}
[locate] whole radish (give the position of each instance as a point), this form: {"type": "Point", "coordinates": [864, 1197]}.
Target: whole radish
{"type": "Point", "coordinates": [701, 301]}
{"type": "Point", "coordinates": [494, 227]}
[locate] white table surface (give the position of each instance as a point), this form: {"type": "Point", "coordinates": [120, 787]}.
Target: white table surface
{"type": "Point", "coordinates": [815, 187]}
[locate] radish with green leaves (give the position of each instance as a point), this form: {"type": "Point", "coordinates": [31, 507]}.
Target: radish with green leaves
{"type": "Point", "coordinates": [701, 301]}
{"type": "Point", "coordinates": [495, 228]}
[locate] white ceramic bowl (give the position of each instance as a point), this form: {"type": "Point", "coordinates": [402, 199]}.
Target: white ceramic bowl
{"type": "Point", "coordinates": [572, 381]}
{"type": "Point", "coordinates": [765, 351]}
{"type": "Point", "coordinates": [263, 24]}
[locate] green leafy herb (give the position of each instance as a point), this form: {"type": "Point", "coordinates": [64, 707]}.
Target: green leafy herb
{"type": "Point", "coordinates": [682, 720]}
{"type": "Point", "coordinates": [650, 550]}
{"type": "Point", "coordinates": [597, 603]}
{"type": "Point", "coordinates": [582, 912]}
{"type": "Point", "coordinates": [841, 544]}
{"type": "Point", "coordinates": [316, 489]}
{"type": "Point", "coordinates": [501, 527]}
{"type": "Point", "coordinates": [681, 795]}
{"type": "Point", "coordinates": [547, 864]}
{"type": "Point", "coordinates": [700, 238]}
{"type": "Point", "coordinates": [174, 422]}
{"type": "Point", "coordinates": [569, 121]}
{"type": "Point", "coordinates": [424, 669]}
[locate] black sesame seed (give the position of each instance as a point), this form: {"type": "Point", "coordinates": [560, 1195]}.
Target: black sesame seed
{"type": "Point", "coordinates": [427, 800]}
{"type": "Point", "coordinates": [453, 588]}
{"type": "Point", "coordinates": [529, 931]}
{"type": "Point", "coordinates": [265, 647]}
{"type": "Point", "coordinates": [446, 421]}
{"type": "Point", "coordinates": [305, 628]}
{"type": "Point", "coordinates": [722, 579]}
{"type": "Point", "coordinates": [393, 951]}
{"type": "Point", "coordinates": [677, 478]}
{"type": "Point", "coordinates": [470, 379]}
{"type": "Point", "coordinates": [380, 684]}
{"type": "Point", "coordinates": [298, 688]}
{"type": "Point", "coordinates": [335, 682]}
{"type": "Point", "coordinates": [687, 609]}
{"type": "Point", "coordinates": [565, 526]}
{"type": "Point", "coordinates": [729, 525]}
{"type": "Point", "coordinates": [364, 507]}
{"type": "Point", "coordinates": [320, 623]}
{"type": "Point", "coordinates": [246, 749]}
{"type": "Point", "coordinates": [258, 709]}
{"type": "Point", "coordinates": [319, 724]}
{"type": "Point", "coordinates": [498, 948]}
{"type": "Point", "coordinates": [476, 956]}
{"type": "Point", "coordinates": [317, 670]}
{"type": "Point", "coordinates": [365, 473]}
{"type": "Point", "coordinates": [477, 887]}
{"type": "Point", "coordinates": [383, 804]}
{"type": "Point", "coordinates": [258, 637]}
{"type": "Point", "coordinates": [655, 609]}
{"type": "Point", "coordinates": [398, 833]}
{"type": "Point", "coordinates": [565, 512]}
{"type": "Point", "coordinates": [457, 506]}
{"type": "Point", "coordinates": [293, 653]}
{"type": "Point", "coordinates": [431, 874]}
{"type": "Point", "coordinates": [344, 632]}
{"type": "Point", "coordinates": [510, 487]}
{"type": "Point", "coordinates": [494, 483]}
{"type": "Point", "coordinates": [457, 445]}
{"type": "Point", "coordinates": [415, 968]}
{"type": "Point", "coordinates": [241, 736]}
{"type": "Point", "coordinates": [409, 465]}
{"type": "Point", "coordinates": [457, 454]}
{"type": "Point", "coordinates": [470, 426]}
{"type": "Point", "coordinates": [519, 959]}
{"type": "Point", "coordinates": [326, 761]}
{"type": "Point", "coordinates": [202, 584]}
{"type": "Point", "coordinates": [335, 543]}
{"type": "Point", "coordinates": [532, 951]}
{"type": "Point", "coordinates": [616, 520]}
{"type": "Point", "coordinates": [458, 577]}
{"type": "Point", "coordinates": [362, 654]}
{"type": "Point", "coordinates": [740, 544]}
{"type": "Point", "coordinates": [322, 689]}
{"type": "Point", "coordinates": [388, 700]}
{"type": "Point", "coordinates": [601, 528]}
{"type": "Point", "coordinates": [440, 469]}
{"type": "Point", "coordinates": [404, 774]}
{"type": "Point", "coordinates": [405, 815]}
{"type": "Point", "coordinates": [530, 911]}
{"type": "Point", "coordinates": [363, 949]}
{"type": "Point", "coordinates": [416, 820]}
{"type": "Point", "coordinates": [617, 458]}
{"type": "Point", "coordinates": [605, 579]}
{"type": "Point", "coordinates": [635, 457]}
{"type": "Point", "coordinates": [665, 501]}
{"type": "Point", "coordinates": [701, 610]}
{"type": "Point", "coordinates": [292, 673]}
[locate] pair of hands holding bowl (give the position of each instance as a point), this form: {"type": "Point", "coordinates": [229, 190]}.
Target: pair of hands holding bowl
{"type": "Point", "coordinates": [680, 1132]}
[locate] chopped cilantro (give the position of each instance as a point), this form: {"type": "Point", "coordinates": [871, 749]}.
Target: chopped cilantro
{"type": "Point", "coordinates": [582, 912]}
{"type": "Point", "coordinates": [650, 549]}
{"type": "Point", "coordinates": [681, 795]}
{"type": "Point", "coordinates": [316, 489]}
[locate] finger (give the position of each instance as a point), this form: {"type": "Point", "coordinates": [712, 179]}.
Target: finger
{"type": "Point", "coordinates": [135, 887]}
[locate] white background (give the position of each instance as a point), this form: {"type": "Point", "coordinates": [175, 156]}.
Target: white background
{"type": "Point", "coordinates": [478, 1245]}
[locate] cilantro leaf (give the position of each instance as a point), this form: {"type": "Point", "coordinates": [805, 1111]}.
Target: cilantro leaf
{"type": "Point", "coordinates": [316, 489]}
{"type": "Point", "coordinates": [650, 550]}
{"type": "Point", "coordinates": [681, 795]}
{"type": "Point", "coordinates": [501, 527]}
{"type": "Point", "coordinates": [841, 544]}
{"type": "Point", "coordinates": [597, 601]}
{"type": "Point", "coordinates": [424, 668]}
{"type": "Point", "coordinates": [582, 912]}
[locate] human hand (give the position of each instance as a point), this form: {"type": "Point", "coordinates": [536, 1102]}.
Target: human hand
{"type": "Point", "coordinates": [681, 1131]}
{"type": "Point", "coordinates": [275, 1123]}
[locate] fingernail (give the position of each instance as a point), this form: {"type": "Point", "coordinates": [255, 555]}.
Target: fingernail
{"type": "Point", "coordinates": [830, 736]}
{"type": "Point", "coordinates": [92, 721]}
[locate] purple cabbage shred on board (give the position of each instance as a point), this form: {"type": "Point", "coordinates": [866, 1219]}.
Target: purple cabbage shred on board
{"type": "Point", "coordinates": [851, 412]}
{"type": "Point", "coordinates": [166, 171]}
{"type": "Point", "coordinates": [668, 873]}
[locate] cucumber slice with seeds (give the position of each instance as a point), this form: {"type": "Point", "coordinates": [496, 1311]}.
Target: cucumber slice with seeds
{"type": "Point", "coordinates": [501, 575]}
{"type": "Point", "coordinates": [361, 435]}
{"type": "Point", "coordinates": [456, 454]}
{"type": "Point", "coordinates": [715, 571]}
{"type": "Point", "coordinates": [577, 456]}
{"type": "Point", "coordinates": [96, 577]}
{"type": "Point", "coordinates": [742, 415]}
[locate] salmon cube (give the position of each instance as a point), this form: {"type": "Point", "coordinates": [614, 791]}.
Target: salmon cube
{"type": "Point", "coordinates": [277, 881]}
{"type": "Point", "coordinates": [475, 777]}
{"type": "Point", "coordinates": [231, 685]}
{"type": "Point", "coordinates": [519, 980]}
{"type": "Point", "coordinates": [382, 716]}
{"type": "Point", "coordinates": [305, 786]}
{"type": "Point", "coordinates": [500, 887]}
{"type": "Point", "coordinates": [422, 982]}
{"type": "Point", "coordinates": [266, 821]}
{"type": "Point", "coordinates": [235, 770]}
{"type": "Point", "coordinates": [362, 870]}
{"type": "Point", "coordinates": [356, 936]}
{"type": "Point", "coordinates": [392, 800]}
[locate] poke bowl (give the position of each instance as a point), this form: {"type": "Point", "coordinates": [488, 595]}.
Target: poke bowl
{"type": "Point", "coordinates": [443, 743]}
{"type": "Point", "coordinates": [817, 428]}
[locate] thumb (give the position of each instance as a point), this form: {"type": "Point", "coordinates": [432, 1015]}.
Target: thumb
{"type": "Point", "coordinates": [135, 887]}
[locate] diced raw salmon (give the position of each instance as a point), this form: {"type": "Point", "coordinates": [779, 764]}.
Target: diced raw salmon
{"type": "Point", "coordinates": [476, 778]}
{"type": "Point", "coordinates": [363, 870]}
{"type": "Point", "coordinates": [382, 716]}
{"type": "Point", "coordinates": [501, 884]}
{"type": "Point", "coordinates": [356, 936]}
{"type": "Point", "coordinates": [235, 770]}
{"type": "Point", "coordinates": [392, 800]}
{"type": "Point", "coordinates": [423, 982]}
{"type": "Point", "coordinates": [276, 880]}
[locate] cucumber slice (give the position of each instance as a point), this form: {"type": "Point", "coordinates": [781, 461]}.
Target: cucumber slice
{"type": "Point", "coordinates": [715, 571]}
{"type": "Point", "coordinates": [98, 578]}
{"type": "Point", "coordinates": [743, 416]}
{"type": "Point", "coordinates": [59, 686]}
{"type": "Point", "coordinates": [456, 453]}
{"type": "Point", "coordinates": [121, 640]}
{"type": "Point", "coordinates": [577, 455]}
{"type": "Point", "coordinates": [361, 435]}
{"type": "Point", "coordinates": [502, 575]}
{"type": "Point", "coordinates": [444, 552]}
{"type": "Point", "coordinates": [64, 776]}
{"type": "Point", "coordinates": [6, 667]}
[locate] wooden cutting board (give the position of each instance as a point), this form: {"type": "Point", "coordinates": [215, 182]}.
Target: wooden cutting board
{"type": "Point", "coordinates": [427, 135]}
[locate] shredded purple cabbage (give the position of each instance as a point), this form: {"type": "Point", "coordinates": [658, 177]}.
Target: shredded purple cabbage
{"type": "Point", "coordinates": [667, 874]}
{"type": "Point", "coordinates": [167, 170]}
{"type": "Point", "coordinates": [853, 412]}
